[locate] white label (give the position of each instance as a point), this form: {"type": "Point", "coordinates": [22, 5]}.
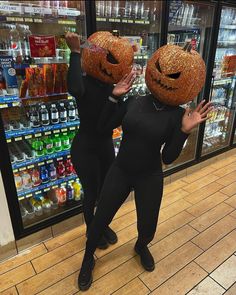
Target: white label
{"type": "Point", "coordinates": [10, 8]}
{"type": "Point", "coordinates": [68, 12]}
{"type": "Point", "coordinates": [38, 10]}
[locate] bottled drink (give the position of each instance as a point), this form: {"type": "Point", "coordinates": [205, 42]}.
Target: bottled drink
{"type": "Point", "coordinates": [71, 111]}
{"type": "Point", "coordinates": [44, 115]}
{"type": "Point", "coordinates": [44, 174]}
{"type": "Point", "coordinates": [57, 143]}
{"type": "Point", "coordinates": [26, 179]}
{"type": "Point", "coordinates": [65, 141]}
{"type": "Point", "coordinates": [62, 113]}
{"type": "Point", "coordinates": [34, 116]}
{"type": "Point", "coordinates": [18, 181]}
{"type": "Point", "coordinates": [77, 190]}
{"type": "Point", "coordinates": [15, 41]}
{"type": "Point", "coordinates": [52, 171]}
{"type": "Point", "coordinates": [54, 114]}
{"type": "Point", "coordinates": [35, 176]}
{"type": "Point", "coordinates": [70, 194]}
{"type": "Point", "coordinates": [38, 147]}
{"type": "Point", "coordinates": [71, 136]}
{"type": "Point", "coordinates": [128, 9]}
{"type": "Point", "coordinates": [61, 196]}
{"type": "Point", "coordinates": [25, 43]}
{"type": "Point", "coordinates": [61, 170]}
{"type": "Point", "coordinates": [48, 145]}
{"type": "Point", "coordinates": [69, 167]}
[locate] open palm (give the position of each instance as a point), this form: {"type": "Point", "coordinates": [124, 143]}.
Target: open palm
{"type": "Point", "coordinates": [191, 119]}
{"type": "Point", "coordinates": [124, 85]}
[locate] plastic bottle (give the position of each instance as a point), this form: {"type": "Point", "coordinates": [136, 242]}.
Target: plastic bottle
{"type": "Point", "coordinates": [57, 143]}
{"type": "Point", "coordinates": [70, 194]}
{"type": "Point", "coordinates": [65, 141]}
{"type": "Point", "coordinates": [71, 111]}
{"type": "Point", "coordinates": [77, 190]}
{"type": "Point", "coordinates": [25, 43]}
{"type": "Point", "coordinates": [34, 116]}
{"type": "Point", "coordinates": [26, 179]}
{"type": "Point", "coordinates": [69, 167]}
{"type": "Point", "coordinates": [35, 176]}
{"type": "Point", "coordinates": [61, 170]}
{"type": "Point", "coordinates": [44, 115]}
{"type": "Point", "coordinates": [61, 196]}
{"type": "Point", "coordinates": [48, 145]}
{"type": "Point", "coordinates": [62, 113]}
{"type": "Point", "coordinates": [15, 41]}
{"type": "Point", "coordinates": [44, 175]}
{"type": "Point", "coordinates": [54, 114]}
{"type": "Point", "coordinates": [52, 171]}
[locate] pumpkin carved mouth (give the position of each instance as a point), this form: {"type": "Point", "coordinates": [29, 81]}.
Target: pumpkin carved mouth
{"type": "Point", "coordinates": [105, 71]}
{"type": "Point", "coordinates": [158, 81]}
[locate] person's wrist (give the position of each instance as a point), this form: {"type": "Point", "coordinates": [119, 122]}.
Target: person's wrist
{"type": "Point", "coordinates": [184, 130]}
{"type": "Point", "coordinates": [115, 96]}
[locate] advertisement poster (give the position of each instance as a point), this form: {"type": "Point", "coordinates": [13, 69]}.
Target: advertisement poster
{"type": "Point", "coordinates": [7, 73]}
{"type": "Point", "coordinates": [42, 46]}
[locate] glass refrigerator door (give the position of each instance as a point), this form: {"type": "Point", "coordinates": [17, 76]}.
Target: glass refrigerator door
{"type": "Point", "coordinates": [190, 21]}
{"type": "Point", "coordinates": [139, 21]}
{"type": "Point", "coordinates": [40, 118]}
{"type": "Point", "coordinates": [219, 128]}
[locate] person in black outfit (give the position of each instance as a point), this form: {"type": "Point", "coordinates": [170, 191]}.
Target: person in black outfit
{"type": "Point", "coordinates": [92, 153]}
{"type": "Point", "coordinates": [147, 124]}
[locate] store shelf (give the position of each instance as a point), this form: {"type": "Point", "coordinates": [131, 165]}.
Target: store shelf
{"type": "Point", "coordinates": [28, 164]}
{"type": "Point", "coordinates": [215, 121]}
{"type": "Point", "coordinates": [44, 96]}
{"type": "Point", "coordinates": [9, 101]}
{"type": "Point", "coordinates": [43, 187]}
{"type": "Point", "coordinates": [222, 81]}
{"type": "Point", "coordinates": [123, 20]}
{"type": "Point", "coordinates": [37, 132]}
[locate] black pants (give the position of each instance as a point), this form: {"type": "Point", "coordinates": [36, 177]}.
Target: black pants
{"type": "Point", "coordinates": [148, 191]}
{"type": "Point", "coordinates": [92, 158]}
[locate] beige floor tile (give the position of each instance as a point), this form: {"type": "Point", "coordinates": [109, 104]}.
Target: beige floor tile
{"type": "Point", "coordinates": [172, 224]}
{"type": "Point", "coordinates": [216, 232]}
{"type": "Point", "coordinates": [223, 163]}
{"type": "Point", "coordinates": [174, 186]}
{"type": "Point", "coordinates": [225, 274]}
{"type": "Point", "coordinates": [11, 291]}
{"type": "Point", "coordinates": [206, 287]}
{"type": "Point", "coordinates": [193, 169]}
{"type": "Point", "coordinates": [207, 204]}
{"type": "Point", "coordinates": [173, 197]}
{"type": "Point", "coordinates": [67, 224]}
{"type": "Point", "coordinates": [231, 290]}
{"type": "Point", "coordinates": [201, 174]}
{"type": "Point", "coordinates": [227, 179]}
{"type": "Point", "coordinates": [211, 216]}
{"type": "Point", "coordinates": [170, 265]}
{"type": "Point", "coordinates": [65, 238]}
{"type": "Point", "coordinates": [182, 281]}
{"type": "Point", "coordinates": [61, 253]}
{"type": "Point", "coordinates": [167, 180]}
{"type": "Point", "coordinates": [122, 222]}
{"type": "Point", "coordinates": [207, 163]}
{"type": "Point", "coordinates": [135, 287]}
{"type": "Point", "coordinates": [51, 276]}
{"type": "Point", "coordinates": [214, 256]}
{"type": "Point", "coordinates": [115, 279]}
{"type": "Point", "coordinates": [231, 201]}
{"type": "Point", "coordinates": [173, 210]}
{"type": "Point", "coordinates": [172, 242]}
{"type": "Point", "coordinates": [8, 251]}
{"type": "Point", "coordinates": [124, 236]}
{"type": "Point", "coordinates": [178, 175]}
{"type": "Point", "coordinates": [204, 192]}
{"type": "Point", "coordinates": [230, 189]}
{"type": "Point", "coordinates": [16, 276]}
{"type": "Point", "coordinates": [22, 258]}
{"type": "Point", "coordinates": [125, 208]}
{"type": "Point", "coordinates": [225, 170]}
{"type": "Point", "coordinates": [196, 185]}
{"type": "Point", "coordinates": [233, 214]}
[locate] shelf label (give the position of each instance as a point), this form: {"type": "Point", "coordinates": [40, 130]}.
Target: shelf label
{"type": "Point", "coordinates": [56, 131]}
{"type": "Point", "coordinates": [8, 140]}
{"type": "Point", "coordinates": [38, 134]}
{"type": "Point", "coordinates": [18, 138]}
{"type": "Point", "coordinates": [49, 161]}
{"type": "Point", "coordinates": [46, 189]}
{"type": "Point", "coordinates": [10, 8]}
{"type": "Point", "coordinates": [22, 169]}
{"type": "Point", "coordinates": [15, 170]}
{"type": "Point", "coordinates": [139, 21]}
{"type": "Point", "coordinates": [54, 186]}
{"type": "Point", "coordinates": [28, 19]}
{"type": "Point", "coordinates": [38, 192]}
{"type": "Point", "coordinates": [30, 166]}
{"type": "Point", "coordinates": [72, 128]}
{"type": "Point", "coordinates": [66, 22]}
{"type": "Point", "coordinates": [48, 133]}
{"type": "Point", "coordinates": [101, 19]}
{"type": "Point", "coordinates": [41, 163]}
{"type": "Point", "coordinates": [130, 21]}
{"type": "Point", "coordinates": [38, 20]}
{"type": "Point", "coordinates": [59, 159]}
{"type": "Point", "coordinates": [2, 106]}
{"type": "Point", "coordinates": [63, 183]}
{"type": "Point", "coordinates": [28, 136]}
{"type": "Point", "coordinates": [124, 21]}
{"type": "Point", "coordinates": [114, 20]}
{"type": "Point", "coordinates": [64, 130]}
{"type": "Point", "coordinates": [68, 12]}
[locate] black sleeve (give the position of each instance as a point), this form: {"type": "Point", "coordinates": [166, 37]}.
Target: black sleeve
{"type": "Point", "coordinates": [74, 78]}
{"type": "Point", "coordinates": [112, 115]}
{"type": "Point", "coordinates": [175, 142]}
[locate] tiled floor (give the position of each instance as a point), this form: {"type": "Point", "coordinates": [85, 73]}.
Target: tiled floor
{"type": "Point", "coordinates": [194, 248]}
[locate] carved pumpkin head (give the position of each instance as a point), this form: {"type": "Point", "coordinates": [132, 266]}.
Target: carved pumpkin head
{"type": "Point", "coordinates": [175, 75]}
{"type": "Point", "coordinates": [109, 59]}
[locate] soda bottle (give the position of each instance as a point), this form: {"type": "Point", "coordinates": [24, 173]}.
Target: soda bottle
{"type": "Point", "coordinates": [15, 41]}
{"type": "Point", "coordinates": [69, 167]}
{"type": "Point", "coordinates": [57, 143]}
{"type": "Point", "coordinates": [26, 179]}
{"type": "Point", "coordinates": [62, 113]}
{"type": "Point", "coordinates": [71, 136]}
{"type": "Point", "coordinates": [65, 141]}
{"type": "Point", "coordinates": [44, 115]}
{"type": "Point", "coordinates": [35, 176]}
{"type": "Point", "coordinates": [34, 116]}
{"type": "Point", "coordinates": [44, 175]}
{"type": "Point", "coordinates": [18, 181]}
{"type": "Point", "coordinates": [48, 145]}
{"type": "Point", "coordinates": [70, 194]}
{"type": "Point", "coordinates": [71, 111]}
{"type": "Point", "coordinates": [52, 171]}
{"type": "Point", "coordinates": [61, 170]}
{"type": "Point", "coordinates": [61, 196]}
{"type": "Point", "coordinates": [37, 145]}
{"type": "Point", "coordinates": [54, 114]}
{"type": "Point", "coordinates": [77, 190]}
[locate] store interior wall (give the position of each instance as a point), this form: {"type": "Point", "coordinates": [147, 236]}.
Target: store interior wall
{"type": "Point", "coordinates": [6, 231]}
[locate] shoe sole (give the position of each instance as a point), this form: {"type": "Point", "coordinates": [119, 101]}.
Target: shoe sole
{"type": "Point", "coordinates": [86, 287]}
{"type": "Point", "coordinates": [150, 269]}
{"type": "Point", "coordinates": [103, 247]}
{"type": "Point", "coordinates": [112, 242]}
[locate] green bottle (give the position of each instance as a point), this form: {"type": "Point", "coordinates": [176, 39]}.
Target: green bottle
{"type": "Point", "coordinates": [57, 143]}
{"type": "Point", "coordinates": [71, 136]}
{"type": "Point", "coordinates": [38, 147]}
{"type": "Point", "coordinates": [65, 141]}
{"type": "Point", "coordinates": [48, 145]}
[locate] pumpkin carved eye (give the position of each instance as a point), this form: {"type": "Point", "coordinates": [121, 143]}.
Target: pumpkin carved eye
{"type": "Point", "coordinates": [111, 59]}
{"type": "Point", "coordinates": [174, 76]}
{"type": "Point", "coordinates": [158, 66]}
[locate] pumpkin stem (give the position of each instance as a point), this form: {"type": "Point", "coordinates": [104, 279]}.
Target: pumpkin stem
{"type": "Point", "coordinates": [187, 47]}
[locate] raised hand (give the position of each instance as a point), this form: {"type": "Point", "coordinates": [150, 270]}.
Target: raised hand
{"type": "Point", "coordinates": [73, 41]}
{"type": "Point", "coordinates": [193, 118]}
{"type": "Point", "coordinates": [124, 85]}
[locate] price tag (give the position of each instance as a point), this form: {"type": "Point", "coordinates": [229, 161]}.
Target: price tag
{"type": "Point", "coordinates": [28, 136]}
{"type": "Point", "coordinates": [38, 135]}
{"type": "Point", "coordinates": [54, 186]}
{"type": "Point", "coordinates": [2, 106]}
{"type": "Point", "coordinates": [59, 159]}
{"type": "Point", "coordinates": [38, 20]}
{"type": "Point", "coordinates": [49, 161]}
{"type": "Point", "coordinates": [15, 170]}
{"type": "Point", "coordinates": [41, 163]}
{"type": "Point", "coordinates": [69, 156]}
{"type": "Point", "coordinates": [64, 183]}
{"type": "Point", "coordinates": [124, 20]}
{"type": "Point", "coordinates": [22, 169]}
{"type": "Point", "coordinates": [100, 19]}
{"type": "Point", "coordinates": [64, 130]}
{"type": "Point", "coordinates": [29, 196]}
{"type": "Point", "coordinates": [56, 131]}
{"type": "Point", "coordinates": [30, 166]}
{"type": "Point", "coordinates": [46, 189]}
{"type": "Point", "coordinates": [14, 104]}
{"type": "Point", "coordinates": [130, 21]}
{"type": "Point", "coordinates": [38, 192]}
{"type": "Point", "coordinates": [28, 19]}
{"type": "Point", "coordinates": [72, 128]}
{"type": "Point", "coordinates": [48, 133]}
{"type": "Point", "coordinates": [147, 22]}
{"type": "Point", "coordinates": [18, 138]}
{"type": "Point", "coordinates": [8, 140]}
{"type": "Point", "coordinates": [19, 19]}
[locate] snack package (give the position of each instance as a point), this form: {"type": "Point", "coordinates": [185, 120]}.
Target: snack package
{"type": "Point", "coordinates": [48, 72]}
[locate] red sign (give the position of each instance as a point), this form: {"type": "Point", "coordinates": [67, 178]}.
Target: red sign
{"type": "Point", "coordinates": [42, 46]}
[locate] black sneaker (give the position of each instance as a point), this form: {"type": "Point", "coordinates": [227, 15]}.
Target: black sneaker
{"type": "Point", "coordinates": [85, 278]}
{"type": "Point", "coordinates": [102, 244]}
{"type": "Point", "coordinates": [146, 258]}
{"type": "Point", "coordinates": [110, 236]}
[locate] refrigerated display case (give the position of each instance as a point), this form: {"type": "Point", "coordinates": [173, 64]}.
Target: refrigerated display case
{"type": "Point", "coordinates": [218, 129]}
{"type": "Point", "coordinates": [191, 21]}
{"type": "Point", "coordinates": [39, 118]}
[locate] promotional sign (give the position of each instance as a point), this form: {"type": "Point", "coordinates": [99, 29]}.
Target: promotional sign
{"type": "Point", "coordinates": [42, 46]}
{"type": "Point", "coordinates": [7, 73]}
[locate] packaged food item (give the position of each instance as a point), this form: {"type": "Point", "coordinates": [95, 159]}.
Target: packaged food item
{"type": "Point", "coordinates": [48, 78]}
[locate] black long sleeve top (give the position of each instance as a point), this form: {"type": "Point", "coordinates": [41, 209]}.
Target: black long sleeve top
{"type": "Point", "coordinates": [147, 125]}
{"type": "Point", "coordinates": [91, 96]}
